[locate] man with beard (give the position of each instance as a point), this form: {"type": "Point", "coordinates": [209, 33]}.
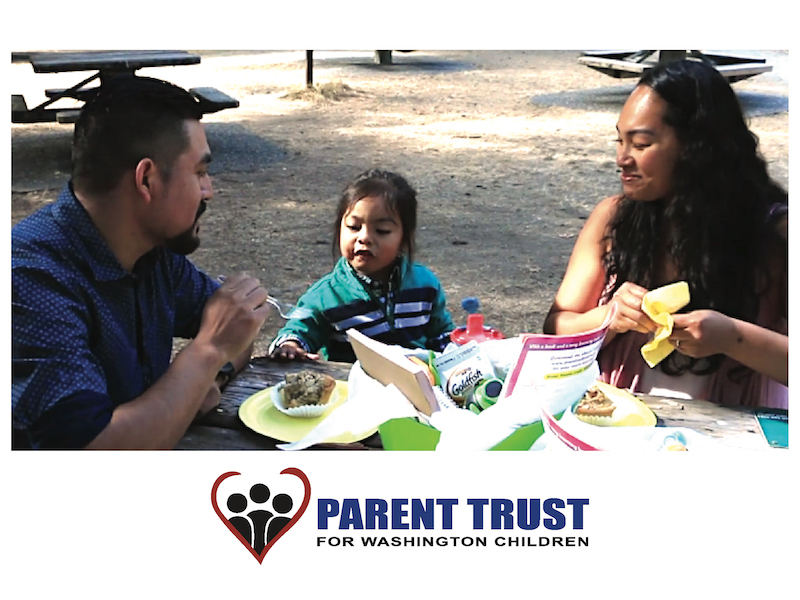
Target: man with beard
{"type": "Point", "coordinates": [101, 283]}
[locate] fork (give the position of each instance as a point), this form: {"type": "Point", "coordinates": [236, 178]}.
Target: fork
{"type": "Point", "coordinates": [289, 311]}
{"type": "Point", "coordinates": [285, 310]}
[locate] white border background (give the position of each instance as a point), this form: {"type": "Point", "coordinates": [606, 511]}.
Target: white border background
{"type": "Point", "coordinates": [131, 524]}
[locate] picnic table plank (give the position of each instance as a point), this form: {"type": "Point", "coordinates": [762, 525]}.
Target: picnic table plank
{"type": "Point", "coordinates": [736, 426]}
{"type": "Point", "coordinates": [56, 62]}
{"type": "Point", "coordinates": [221, 429]}
{"type": "Point", "coordinates": [623, 65]}
{"type": "Point", "coordinates": [204, 437]}
{"type": "Point", "coordinates": [261, 373]}
{"type": "Point", "coordinates": [201, 437]}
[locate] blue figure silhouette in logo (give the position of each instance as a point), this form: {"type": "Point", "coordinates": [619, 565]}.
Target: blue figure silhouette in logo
{"type": "Point", "coordinates": [237, 503]}
{"type": "Point", "coordinates": [259, 494]}
{"type": "Point", "coordinates": [281, 503]}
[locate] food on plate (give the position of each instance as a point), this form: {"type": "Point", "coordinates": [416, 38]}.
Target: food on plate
{"type": "Point", "coordinates": [607, 406]}
{"type": "Point", "coordinates": [306, 388]}
{"type": "Point", "coordinates": [595, 403]}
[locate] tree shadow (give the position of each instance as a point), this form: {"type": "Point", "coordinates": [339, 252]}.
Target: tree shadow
{"type": "Point", "coordinates": [401, 63]}
{"type": "Point", "coordinates": [42, 159]}
{"type": "Point", "coordinates": [237, 150]}
{"type": "Point", "coordinates": [612, 98]}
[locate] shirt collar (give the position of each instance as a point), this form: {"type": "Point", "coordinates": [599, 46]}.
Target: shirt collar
{"type": "Point", "coordinates": [72, 216]}
{"type": "Point", "coordinates": [377, 287]}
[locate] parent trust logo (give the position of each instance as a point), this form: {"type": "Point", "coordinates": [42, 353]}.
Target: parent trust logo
{"type": "Point", "coordinates": [259, 515]}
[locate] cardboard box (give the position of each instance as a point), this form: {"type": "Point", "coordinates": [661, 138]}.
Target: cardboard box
{"type": "Point", "coordinates": [410, 434]}
{"type": "Point", "coordinates": [388, 366]}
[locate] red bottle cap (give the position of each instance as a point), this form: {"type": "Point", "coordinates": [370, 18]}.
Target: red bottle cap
{"type": "Point", "coordinates": [475, 330]}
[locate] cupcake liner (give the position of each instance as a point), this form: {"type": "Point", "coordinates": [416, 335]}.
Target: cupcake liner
{"type": "Point", "coordinates": [307, 411]}
{"type": "Point", "coordinates": [598, 420]}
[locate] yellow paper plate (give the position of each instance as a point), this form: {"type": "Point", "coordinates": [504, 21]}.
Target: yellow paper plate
{"type": "Point", "coordinates": [259, 414]}
{"type": "Point", "coordinates": [636, 413]}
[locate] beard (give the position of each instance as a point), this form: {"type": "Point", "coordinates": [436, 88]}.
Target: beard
{"type": "Point", "coordinates": [188, 241]}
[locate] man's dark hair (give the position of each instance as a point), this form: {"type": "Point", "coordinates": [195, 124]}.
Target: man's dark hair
{"type": "Point", "coordinates": [130, 118]}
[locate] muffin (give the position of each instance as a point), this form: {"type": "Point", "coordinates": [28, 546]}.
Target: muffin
{"type": "Point", "coordinates": [595, 407]}
{"type": "Point", "coordinates": [306, 388]}
{"type": "Point", "coordinates": [607, 406]}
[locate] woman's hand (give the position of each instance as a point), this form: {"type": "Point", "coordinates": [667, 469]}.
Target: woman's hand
{"type": "Point", "coordinates": [702, 333]}
{"type": "Point", "coordinates": [292, 351]}
{"type": "Point", "coordinates": [630, 317]}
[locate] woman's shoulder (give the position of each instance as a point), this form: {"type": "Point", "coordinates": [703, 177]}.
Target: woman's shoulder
{"type": "Point", "coordinates": [607, 206]}
{"type": "Point", "coordinates": [597, 224]}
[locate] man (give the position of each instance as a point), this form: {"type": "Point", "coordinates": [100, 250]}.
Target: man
{"type": "Point", "coordinates": [101, 284]}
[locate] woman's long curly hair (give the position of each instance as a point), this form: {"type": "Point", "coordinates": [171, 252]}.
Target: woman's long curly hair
{"type": "Point", "coordinates": [715, 224]}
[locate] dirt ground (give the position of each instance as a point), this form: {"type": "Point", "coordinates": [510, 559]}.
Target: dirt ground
{"type": "Point", "coordinates": [509, 152]}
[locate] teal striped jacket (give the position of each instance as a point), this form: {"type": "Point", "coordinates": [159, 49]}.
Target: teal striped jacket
{"type": "Point", "coordinates": [411, 314]}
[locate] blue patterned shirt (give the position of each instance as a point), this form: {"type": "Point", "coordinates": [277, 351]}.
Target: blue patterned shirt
{"type": "Point", "coordinates": [87, 335]}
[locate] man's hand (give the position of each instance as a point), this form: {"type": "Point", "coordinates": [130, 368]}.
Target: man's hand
{"type": "Point", "coordinates": [233, 316]}
{"type": "Point", "coordinates": [211, 400]}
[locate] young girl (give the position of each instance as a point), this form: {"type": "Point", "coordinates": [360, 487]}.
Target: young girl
{"type": "Point", "coordinates": [375, 287]}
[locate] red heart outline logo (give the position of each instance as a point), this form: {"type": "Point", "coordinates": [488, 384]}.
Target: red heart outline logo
{"type": "Point", "coordinates": [306, 499]}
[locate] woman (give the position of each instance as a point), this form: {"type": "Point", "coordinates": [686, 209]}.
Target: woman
{"type": "Point", "coordinates": [697, 205]}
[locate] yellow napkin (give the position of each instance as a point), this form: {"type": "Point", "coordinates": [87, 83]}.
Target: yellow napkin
{"type": "Point", "coordinates": [659, 305]}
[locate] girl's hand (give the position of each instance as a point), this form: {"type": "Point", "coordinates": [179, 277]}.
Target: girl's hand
{"type": "Point", "coordinates": [702, 333]}
{"type": "Point", "coordinates": [628, 299]}
{"type": "Point", "coordinates": [292, 351]}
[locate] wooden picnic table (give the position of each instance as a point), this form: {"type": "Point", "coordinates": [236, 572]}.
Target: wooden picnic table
{"type": "Point", "coordinates": [222, 429]}
{"type": "Point", "coordinates": [105, 64]}
{"type": "Point", "coordinates": [109, 63]}
{"type": "Point", "coordinates": [627, 63]}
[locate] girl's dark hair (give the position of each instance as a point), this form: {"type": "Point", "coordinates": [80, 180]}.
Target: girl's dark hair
{"type": "Point", "coordinates": [394, 189]}
{"type": "Point", "coordinates": [128, 119]}
{"type": "Point", "coordinates": [715, 224]}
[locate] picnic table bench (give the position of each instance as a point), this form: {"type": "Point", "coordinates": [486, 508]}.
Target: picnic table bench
{"type": "Point", "coordinates": [106, 64]}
